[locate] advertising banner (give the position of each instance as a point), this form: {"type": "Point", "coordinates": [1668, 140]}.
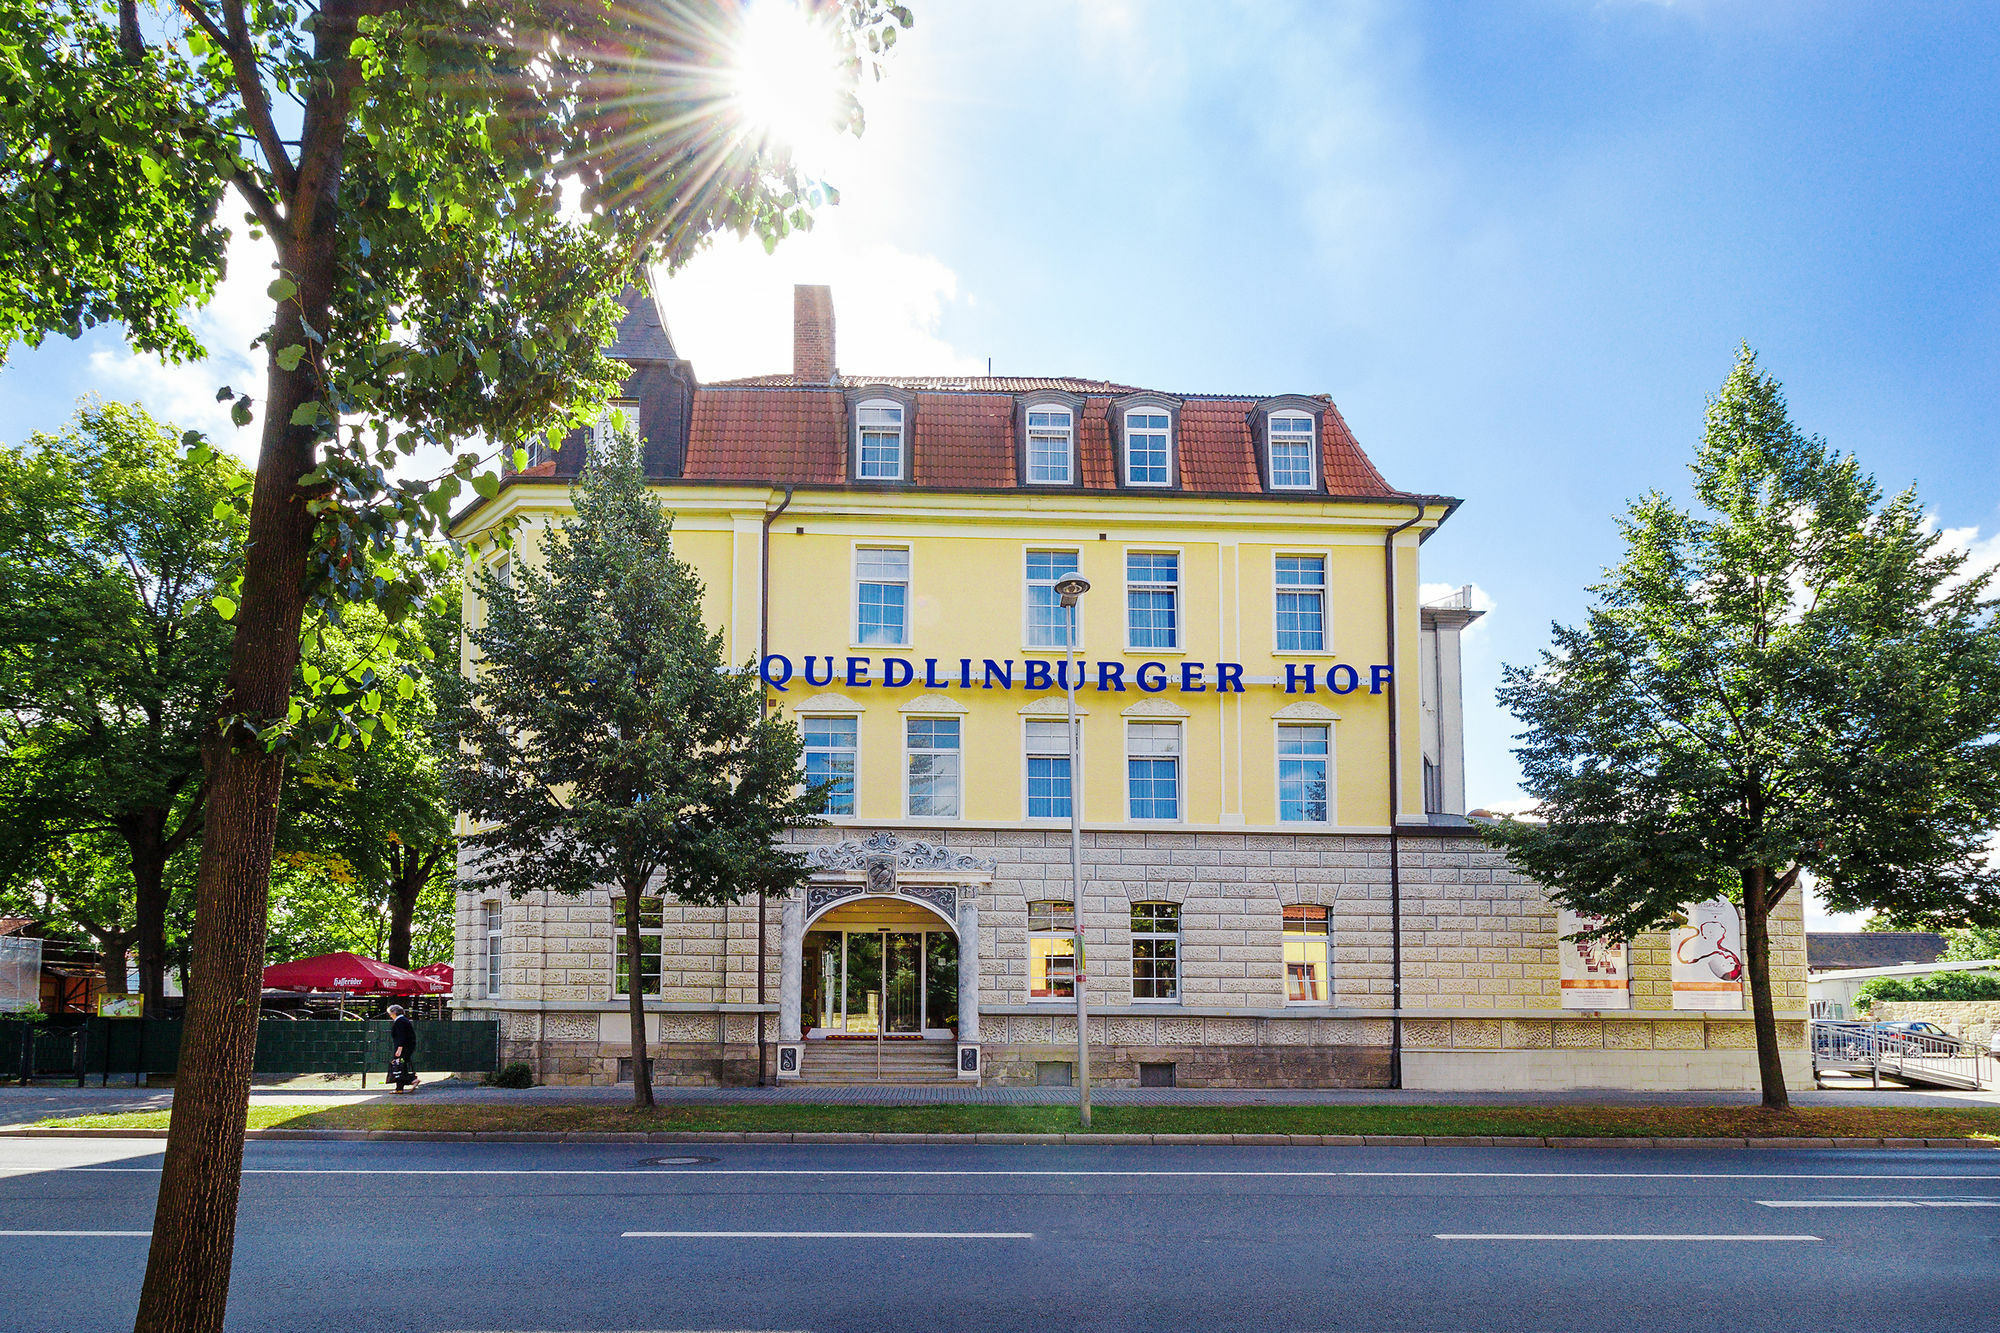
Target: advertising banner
{"type": "Point", "coordinates": [1708, 957]}
{"type": "Point", "coordinates": [1595, 973]}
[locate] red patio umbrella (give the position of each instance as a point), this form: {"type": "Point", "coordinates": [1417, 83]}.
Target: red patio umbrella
{"type": "Point", "coordinates": [352, 973]}
{"type": "Point", "coordinates": [436, 972]}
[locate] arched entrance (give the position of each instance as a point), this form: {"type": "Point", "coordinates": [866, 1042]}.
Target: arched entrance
{"type": "Point", "coordinates": [880, 967]}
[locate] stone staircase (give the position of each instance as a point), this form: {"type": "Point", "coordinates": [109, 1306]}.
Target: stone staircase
{"type": "Point", "coordinates": [902, 1061]}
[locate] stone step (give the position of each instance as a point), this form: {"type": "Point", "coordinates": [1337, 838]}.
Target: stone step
{"type": "Point", "coordinates": [900, 1062]}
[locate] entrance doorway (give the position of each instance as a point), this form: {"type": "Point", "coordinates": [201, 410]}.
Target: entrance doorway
{"type": "Point", "coordinates": [884, 980]}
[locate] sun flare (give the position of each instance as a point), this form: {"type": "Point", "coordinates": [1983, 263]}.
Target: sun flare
{"type": "Point", "coordinates": [788, 76]}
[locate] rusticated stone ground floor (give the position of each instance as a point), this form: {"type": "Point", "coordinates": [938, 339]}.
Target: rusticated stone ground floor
{"type": "Point", "coordinates": [1214, 959]}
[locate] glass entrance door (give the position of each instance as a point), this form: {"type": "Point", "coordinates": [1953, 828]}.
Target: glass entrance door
{"type": "Point", "coordinates": [895, 982]}
{"type": "Point", "coordinates": [902, 979]}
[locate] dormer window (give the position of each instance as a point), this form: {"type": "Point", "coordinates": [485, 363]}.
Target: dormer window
{"type": "Point", "coordinates": [1148, 448]}
{"type": "Point", "coordinates": [1291, 444]}
{"type": "Point", "coordinates": [1051, 444]}
{"type": "Point", "coordinates": [879, 446]}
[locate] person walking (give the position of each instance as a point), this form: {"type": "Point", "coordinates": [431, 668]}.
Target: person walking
{"type": "Point", "coordinates": [403, 1059]}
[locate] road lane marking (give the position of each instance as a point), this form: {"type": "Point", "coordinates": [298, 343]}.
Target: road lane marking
{"type": "Point", "coordinates": [1023, 1172]}
{"type": "Point", "coordinates": [828, 1235]}
{"type": "Point", "coordinates": [1531, 1235]}
{"type": "Point", "coordinates": [75, 1233]}
{"type": "Point", "coordinates": [1881, 1203]}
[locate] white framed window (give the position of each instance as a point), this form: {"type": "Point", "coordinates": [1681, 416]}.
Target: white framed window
{"type": "Point", "coordinates": [650, 932]}
{"type": "Point", "coordinates": [620, 416]}
{"type": "Point", "coordinates": [1051, 949]}
{"type": "Point", "coordinates": [882, 595]}
{"type": "Point", "coordinates": [934, 759]}
{"type": "Point", "coordinates": [832, 754]}
{"type": "Point", "coordinates": [878, 449]}
{"type": "Point", "coordinates": [1308, 960]}
{"type": "Point", "coordinates": [1051, 444]}
{"type": "Point", "coordinates": [1152, 599]}
{"type": "Point", "coordinates": [1291, 445]}
{"type": "Point", "coordinates": [1148, 447]}
{"type": "Point", "coordinates": [1046, 746]}
{"type": "Point", "coordinates": [1153, 770]}
{"type": "Point", "coordinates": [1301, 607]}
{"type": "Point", "coordinates": [1156, 951]}
{"type": "Point", "coordinates": [495, 948]}
{"type": "Point", "coordinates": [1304, 760]}
{"type": "Point", "coordinates": [1049, 620]}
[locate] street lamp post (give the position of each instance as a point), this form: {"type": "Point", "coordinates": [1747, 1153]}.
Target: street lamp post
{"type": "Point", "coordinates": [1069, 590]}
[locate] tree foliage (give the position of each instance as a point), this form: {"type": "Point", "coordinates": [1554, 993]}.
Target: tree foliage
{"type": "Point", "coordinates": [114, 545]}
{"type": "Point", "coordinates": [604, 740]}
{"type": "Point", "coordinates": [1794, 678]}
{"type": "Point", "coordinates": [370, 823]}
{"type": "Point", "coordinates": [1933, 986]}
{"type": "Point", "coordinates": [1971, 944]}
{"type": "Point", "coordinates": [456, 191]}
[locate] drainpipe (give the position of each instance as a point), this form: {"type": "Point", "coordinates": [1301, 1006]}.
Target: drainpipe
{"type": "Point", "coordinates": [1395, 809]}
{"type": "Point", "coordinates": [763, 647]}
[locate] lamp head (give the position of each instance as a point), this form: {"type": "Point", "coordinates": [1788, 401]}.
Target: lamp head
{"type": "Point", "coordinates": [1071, 588]}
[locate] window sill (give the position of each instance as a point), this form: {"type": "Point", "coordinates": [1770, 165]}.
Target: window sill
{"type": "Point", "coordinates": [1130, 651]}
{"type": "Point", "coordinates": [865, 647]}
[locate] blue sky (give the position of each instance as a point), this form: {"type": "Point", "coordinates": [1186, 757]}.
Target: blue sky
{"type": "Point", "coordinates": [1518, 244]}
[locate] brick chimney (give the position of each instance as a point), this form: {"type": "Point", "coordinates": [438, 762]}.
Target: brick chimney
{"type": "Point", "coordinates": [812, 334]}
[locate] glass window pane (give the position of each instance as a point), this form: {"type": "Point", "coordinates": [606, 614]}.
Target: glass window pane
{"type": "Point", "coordinates": [882, 613]}
{"type": "Point", "coordinates": [1051, 914]}
{"type": "Point", "coordinates": [1048, 788]}
{"type": "Point", "coordinates": [1048, 620]}
{"type": "Point", "coordinates": [887, 563]}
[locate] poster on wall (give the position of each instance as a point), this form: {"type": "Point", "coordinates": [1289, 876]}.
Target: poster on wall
{"type": "Point", "coordinates": [1595, 973]}
{"type": "Point", "coordinates": [1708, 957]}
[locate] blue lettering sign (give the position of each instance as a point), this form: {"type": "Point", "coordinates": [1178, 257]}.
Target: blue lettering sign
{"type": "Point", "coordinates": [776, 682]}
{"type": "Point", "coordinates": [1378, 676]}
{"type": "Point", "coordinates": [1157, 681]}
{"type": "Point", "coordinates": [1341, 683]}
{"type": "Point", "coordinates": [809, 672]}
{"type": "Point", "coordinates": [1229, 678]}
{"type": "Point", "coordinates": [1111, 676]}
{"type": "Point", "coordinates": [857, 672]}
{"type": "Point", "coordinates": [1295, 674]}
{"type": "Point", "coordinates": [896, 672]}
{"type": "Point", "coordinates": [1037, 674]}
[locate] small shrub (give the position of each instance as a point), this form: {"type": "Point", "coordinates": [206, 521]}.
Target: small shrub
{"type": "Point", "coordinates": [515, 1075]}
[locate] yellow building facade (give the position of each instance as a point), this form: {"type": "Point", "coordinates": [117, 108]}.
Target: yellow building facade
{"type": "Point", "coordinates": [1279, 882]}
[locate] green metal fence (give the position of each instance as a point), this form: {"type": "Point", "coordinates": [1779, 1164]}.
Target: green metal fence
{"type": "Point", "coordinates": [108, 1047]}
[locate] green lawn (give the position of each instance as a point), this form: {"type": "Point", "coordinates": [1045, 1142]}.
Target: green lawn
{"type": "Point", "coordinates": [1578, 1121]}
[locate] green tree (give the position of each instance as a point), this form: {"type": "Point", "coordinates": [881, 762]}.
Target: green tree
{"type": "Point", "coordinates": [78, 885]}
{"type": "Point", "coordinates": [1933, 986]}
{"type": "Point", "coordinates": [373, 819]}
{"type": "Point", "coordinates": [1970, 944]}
{"type": "Point", "coordinates": [1796, 678]}
{"type": "Point", "coordinates": [604, 739]}
{"type": "Point", "coordinates": [113, 543]}
{"type": "Point", "coordinates": [457, 190]}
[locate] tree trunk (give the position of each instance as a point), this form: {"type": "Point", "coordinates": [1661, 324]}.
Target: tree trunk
{"type": "Point", "coordinates": [145, 836]}
{"type": "Point", "coordinates": [635, 990]}
{"type": "Point", "coordinates": [1757, 943]}
{"type": "Point", "coordinates": [113, 949]}
{"type": "Point", "coordinates": [403, 891]}
{"type": "Point", "coordinates": [194, 1222]}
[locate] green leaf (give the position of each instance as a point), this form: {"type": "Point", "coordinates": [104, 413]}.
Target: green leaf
{"type": "Point", "coordinates": [224, 510]}
{"type": "Point", "coordinates": [282, 290]}
{"type": "Point", "coordinates": [225, 606]}
{"type": "Point", "coordinates": [288, 358]}
{"type": "Point", "coordinates": [239, 411]}
{"type": "Point", "coordinates": [486, 484]}
{"type": "Point", "coordinates": [406, 688]}
{"type": "Point", "coordinates": [520, 460]}
{"type": "Point", "coordinates": [306, 413]}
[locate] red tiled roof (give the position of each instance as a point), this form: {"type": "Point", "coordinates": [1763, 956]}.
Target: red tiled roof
{"type": "Point", "coordinates": [774, 429]}
{"type": "Point", "coordinates": [939, 383]}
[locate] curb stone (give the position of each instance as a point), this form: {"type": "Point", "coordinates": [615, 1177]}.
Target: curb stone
{"type": "Point", "coordinates": [1072, 1139]}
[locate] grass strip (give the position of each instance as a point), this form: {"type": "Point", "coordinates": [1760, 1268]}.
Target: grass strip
{"type": "Point", "coordinates": [1573, 1121]}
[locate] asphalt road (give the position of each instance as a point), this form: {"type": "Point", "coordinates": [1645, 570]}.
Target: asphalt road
{"type": "Point", "coordinates": [524, 1237]}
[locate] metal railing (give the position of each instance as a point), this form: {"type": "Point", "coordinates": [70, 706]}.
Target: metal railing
{"type": "Point", "coordinates": [1909, 1057]}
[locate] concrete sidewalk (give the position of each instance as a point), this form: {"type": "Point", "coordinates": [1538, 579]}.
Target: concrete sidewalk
{"type": "Point", "coordinates": [20, 1106]}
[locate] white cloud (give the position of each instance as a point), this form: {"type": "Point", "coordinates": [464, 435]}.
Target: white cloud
{"type": "Point", "coordinates": [185, 394]}
{"type": "Point", "coordinates": [730, 308]}
{"type": "Point", "coordinates": [1981, 552]}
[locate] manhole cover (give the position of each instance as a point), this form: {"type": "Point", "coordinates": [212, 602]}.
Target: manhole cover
{"type": "Point", "coordinates": [674, 1161]}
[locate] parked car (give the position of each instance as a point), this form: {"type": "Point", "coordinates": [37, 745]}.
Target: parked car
{"type": "Point", "coordinates": [1918, 1036]}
